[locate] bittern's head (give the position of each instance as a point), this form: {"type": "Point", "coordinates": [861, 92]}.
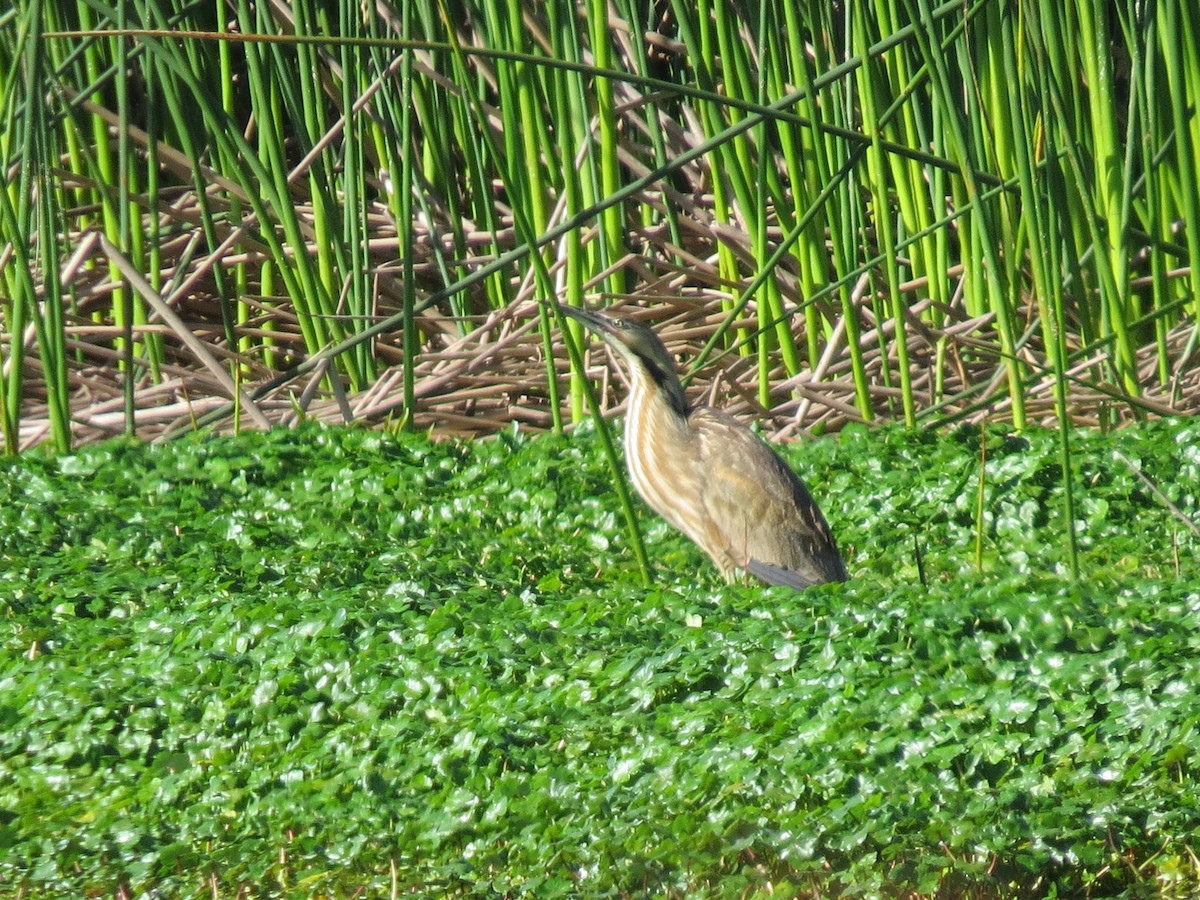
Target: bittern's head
{"type": "Point", "coordinates": [639, 346]}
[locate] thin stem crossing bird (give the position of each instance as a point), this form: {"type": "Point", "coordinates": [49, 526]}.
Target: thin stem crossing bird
{"type": "Point", "coordinates": [712, 477]}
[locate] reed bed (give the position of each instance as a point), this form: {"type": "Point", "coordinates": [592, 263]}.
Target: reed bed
{"type": "Point", "coordinates": [237, 215]}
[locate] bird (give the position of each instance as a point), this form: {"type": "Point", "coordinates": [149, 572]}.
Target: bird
{"type": "Point", "coordinates": [709, 475]}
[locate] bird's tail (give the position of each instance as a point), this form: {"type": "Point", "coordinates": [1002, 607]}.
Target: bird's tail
{"type": "Point", "coordinates": [778, 575]}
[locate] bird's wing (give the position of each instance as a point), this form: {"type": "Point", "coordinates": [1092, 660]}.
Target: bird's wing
{"type": "Point", "coordinates": [759, 509]}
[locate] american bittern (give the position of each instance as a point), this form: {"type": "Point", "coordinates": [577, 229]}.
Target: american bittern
{"type": "Point", "coordinates": [712, 477]}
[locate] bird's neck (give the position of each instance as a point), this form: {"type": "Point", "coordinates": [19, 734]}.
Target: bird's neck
{"type": "Point", "coordinates": [653, 385]}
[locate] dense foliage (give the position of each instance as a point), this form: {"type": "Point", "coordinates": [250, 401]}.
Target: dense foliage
{"type": "Point", "coordinates": [327, 661]}
{"type": "Point", "coordinates": [901, 210]}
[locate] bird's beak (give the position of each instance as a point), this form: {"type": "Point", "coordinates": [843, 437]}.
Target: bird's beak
{"type": "Point", "coordinates": [590, 320]}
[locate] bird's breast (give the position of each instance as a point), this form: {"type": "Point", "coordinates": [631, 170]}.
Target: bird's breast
{"type": "Point", "coordinates": [662, 459]}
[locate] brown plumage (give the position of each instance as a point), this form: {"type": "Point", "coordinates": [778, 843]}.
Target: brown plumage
{"type": "Point", "coordinates": [710, 476]}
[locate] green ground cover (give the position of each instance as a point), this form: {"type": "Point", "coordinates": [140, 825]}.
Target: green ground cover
{"type": "Point", "coordinates": [336, 662]}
